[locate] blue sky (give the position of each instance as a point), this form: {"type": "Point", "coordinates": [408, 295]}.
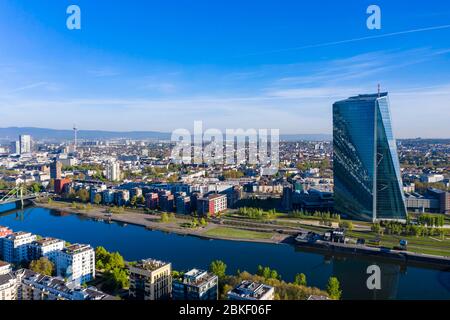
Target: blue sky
{"type": "Point", "coordinates": [160, 65]}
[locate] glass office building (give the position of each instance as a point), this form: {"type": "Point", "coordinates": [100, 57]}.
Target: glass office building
{"type": "Point", "coordinates": [367, 180]}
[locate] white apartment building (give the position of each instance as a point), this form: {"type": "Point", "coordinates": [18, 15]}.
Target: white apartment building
{"type": "Point", "coordinates": [15, 246]}
{"type": "Point", "coordinates": [249, 290]}
{"type": "Point", "coordinates": [35, 286]}
{"type": "Point", "coordinates": [113, 171]}
{"type": "Point", "coordinates": [8, 282]}
{"type": "Point", "coordinates": [76, 263]}
{"type": "Point", "coordinates": [45, 247]}
{"type": "Point", "coordinates": [25, 143]}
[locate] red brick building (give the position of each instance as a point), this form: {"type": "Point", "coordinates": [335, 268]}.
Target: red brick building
{"type": "Point", "coordinates": [59, 185]}
{"type": "Point", "coordinates": [5, 231]}
{"type": "Point", "coordinates": [211, 204]}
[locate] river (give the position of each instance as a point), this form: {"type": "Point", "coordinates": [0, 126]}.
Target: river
{"type": "Point", "coordinates": [185, 252]}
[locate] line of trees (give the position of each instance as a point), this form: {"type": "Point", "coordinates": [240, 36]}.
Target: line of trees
{"type": "Point", "coordinates": [257, 213]}
{"type": "Point", "coordinates": [296, 290]}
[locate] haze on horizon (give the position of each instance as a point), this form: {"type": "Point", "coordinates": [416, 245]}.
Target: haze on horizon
{"type": "Point", "coordinates": [163, 65]}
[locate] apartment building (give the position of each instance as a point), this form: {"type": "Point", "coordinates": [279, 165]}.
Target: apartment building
{"type": "Point", "coordinates": [45, 247]}
{"type": "Point", "coordinates": [150, 280]}
{"type": "Point", "coordinates": [8, 283]}
{"type": "Point", "coordinates": [76, 263]}
{"type": "Point", "coordinates": [15, 246]}
{"type": "Point", "coordinates": [35, 286]}
{"type": "Point", "coordinates": [196, 285]}
{"type": "Point", "coordinates": [249, 290]}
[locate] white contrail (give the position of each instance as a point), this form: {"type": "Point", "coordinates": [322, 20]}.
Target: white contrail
{"type": "Point", "coordinates": [352, 40]}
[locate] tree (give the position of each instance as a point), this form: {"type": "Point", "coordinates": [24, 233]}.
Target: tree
{"type": "Point", "coordinates": [376, 227]}
{"type": "Point", "coordinates": [218, 268]}
{"type": "Point", "coordinates": [83, 194]}
{"type": "Point", "coordinates": [267, 273]}
{"type": "Point", "coordinates": [333, 288]}
{"type": "Point", "coordinates": [51, 184]}
{"type": "Point", "coordinates": [300, 279]}
{"type": "Point", "coordinates": [42, 266]}
{"type": "Point", "coordinates": [133, 201]}
{"type": "Point", "coordinates": [346, 225]}
{"type": "Point", "coordinates": [36, 187]}
{"type": "Point", "coordinates": [97, 199]}
{"type": "Point", "coordinates": [165, 217]}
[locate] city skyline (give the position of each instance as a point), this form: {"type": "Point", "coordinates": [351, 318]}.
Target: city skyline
{"type": "Point", "coordinates": [264, 65]}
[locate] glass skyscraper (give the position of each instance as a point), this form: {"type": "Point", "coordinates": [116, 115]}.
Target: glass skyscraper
{"type": "Point", "coordinates": [367, 180]}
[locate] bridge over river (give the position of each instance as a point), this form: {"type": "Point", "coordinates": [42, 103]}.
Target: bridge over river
{"type": "Point", "coordinates": [17, 198]}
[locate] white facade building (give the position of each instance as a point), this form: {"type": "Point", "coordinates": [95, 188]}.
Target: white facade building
{"type": "Point", "coordinates": [113, 171]}
{"type": "Point", "coordinates": [15, 246]}
{"type": "Point", "coordinates": [25, 143]}
{"type": "Point", "coordinates": [76, 263]}
{"type": "Point", "coordinates": [46, 247]}
{"type": "Point", "coordinates": [8, 283]}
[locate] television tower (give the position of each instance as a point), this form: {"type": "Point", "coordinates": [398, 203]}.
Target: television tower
{"type": "Point", "coordinates": [75, 130]}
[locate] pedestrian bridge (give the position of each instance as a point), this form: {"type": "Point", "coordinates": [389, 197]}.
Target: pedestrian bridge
{"type": "Point", "coordinates": [17, 198]}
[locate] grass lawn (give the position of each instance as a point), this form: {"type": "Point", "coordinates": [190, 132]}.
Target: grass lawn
{"type": "Point", "coordinates": [425, 245]}
{"type": "Point", "coordinates": [237, 233]}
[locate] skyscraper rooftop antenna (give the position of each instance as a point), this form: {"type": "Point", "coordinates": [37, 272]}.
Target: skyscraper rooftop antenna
{"type": "Point", "coordinates": [379, 90]}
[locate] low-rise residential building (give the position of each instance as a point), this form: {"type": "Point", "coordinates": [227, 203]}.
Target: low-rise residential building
{"type": "Point", "coordinates": [150, 280]}
{"type": "Point", "coordinates": [35, 286]}
{"type": "Point", "coordinates": [45, 247]}
{"type": "Point", "coordinates": [76, 263]}
{"type": "Point", "coordinates": [151, 200]}
{"type": "Point", "coordinates": [211, 204]}
{"type": "Point", "coordinates": [8, 282]}
{"type": "Point", "coordinates": [108, 196]}
{"type": "Point", "coordinates": [196, 285]}
{"type": "Point", "coordinates": [249, 290]}
{"type": "Point", "coordinates": [183, 204]}
{"type": "Point", "coordinates": [15, 246]}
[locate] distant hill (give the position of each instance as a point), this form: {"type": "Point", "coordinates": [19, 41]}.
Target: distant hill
{"type": "Point", "coordinates": [54, 134]}
{"type": "Point", "coordinates": [12, 133]}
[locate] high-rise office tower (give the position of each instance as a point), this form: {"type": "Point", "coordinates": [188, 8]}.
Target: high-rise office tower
{"type": "Point", "coordinates": [113, 171]}
{"type": "Point", "coordinates": [367, 180]}
{"type": "Point", "coordinates": [25, 143]}
{"type": "Point", "coordinates": [14, 147]}
{"type": "Point", "coordinates": [55, 170]}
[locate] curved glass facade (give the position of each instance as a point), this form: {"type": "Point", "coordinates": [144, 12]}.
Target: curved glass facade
{"type": "Point", "coordinates": [367, 180]}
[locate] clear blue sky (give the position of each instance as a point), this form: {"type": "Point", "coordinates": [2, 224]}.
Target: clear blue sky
{"type": "Point", "coordinates": [160, 65]}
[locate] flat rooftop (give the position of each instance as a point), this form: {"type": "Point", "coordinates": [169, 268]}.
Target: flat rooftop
{"type": "Point", "coordinates": [47, 241]}
{"type": "Point", "coordinates": [150, 264]}
{"type": "Point", "coordinates": [251, 289]}
{"type": "Point", "coordinates": [76, 248]}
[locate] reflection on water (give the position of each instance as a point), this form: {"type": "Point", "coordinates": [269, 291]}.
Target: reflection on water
{"type": "Point", "coordinates": [397, 281]}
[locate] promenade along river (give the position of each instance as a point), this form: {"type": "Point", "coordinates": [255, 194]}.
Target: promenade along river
{"type": "Point", "coordinates": [134, 242]}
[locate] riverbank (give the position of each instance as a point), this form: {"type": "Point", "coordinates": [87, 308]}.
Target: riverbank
{"type": "Point", "coordinates": [152, 222]}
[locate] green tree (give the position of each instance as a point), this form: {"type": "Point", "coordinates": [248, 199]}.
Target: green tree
{"type": "Point", "coordinates": [42, 266]}
{"type": "Point", "coordinates": [346, 225]}
{"type": "Point", "coordinates": [36, 187]}
{"type": "Point", "coordinates": [300, 279]}
{"type": "Point", "coordinates": [83, 194]}
{"type": "Point", "coordinates": [203, 222]}
{"type": "Point", "coordinates": [165, 217]}
{"type": "Point", "coordinates": [218, 268]}
{"type": "Point", "coordinates": [333, 288]}
{"type": "Point", "coordinates": [376, 227]}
